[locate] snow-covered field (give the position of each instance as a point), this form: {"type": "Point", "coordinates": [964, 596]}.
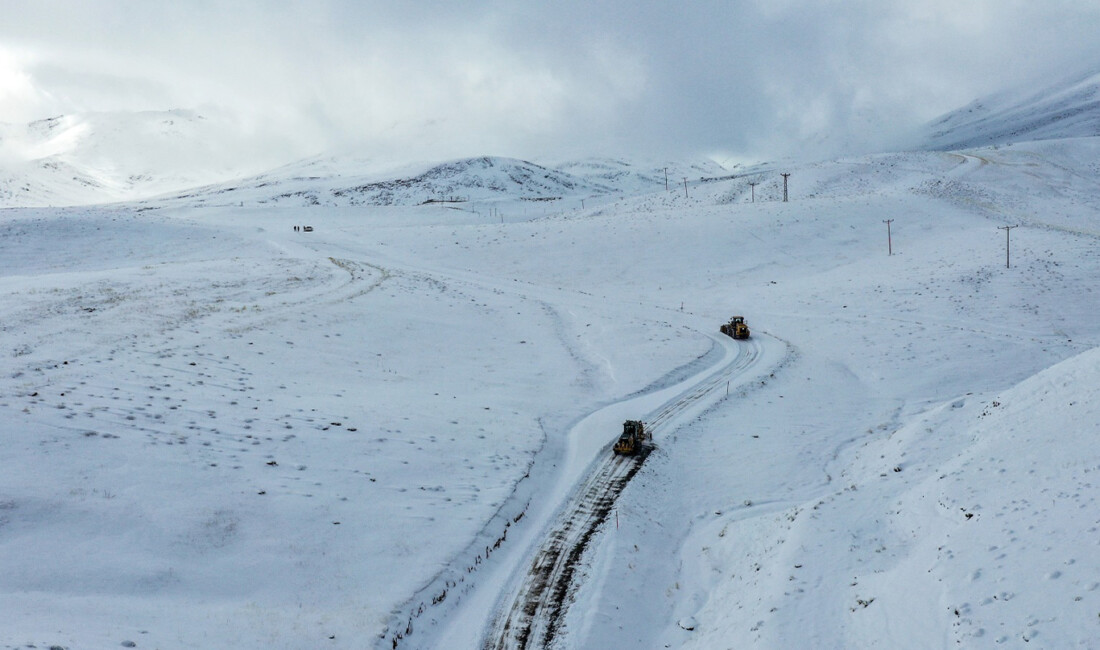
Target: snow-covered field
{"type": "Point", "coordinates": [219, 431]}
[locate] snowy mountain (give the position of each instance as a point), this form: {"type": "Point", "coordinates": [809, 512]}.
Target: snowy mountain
{"type": "Point", "coordinates": [337, 182]}
{"type": "Point", "coordinates": [1069, 108]}
{"type": "Point", "coordinates": [182, 157]}
{"type": "Point", "coordinates": [107, 157]}
{"type": "Point", "coordinates": [348, 181]}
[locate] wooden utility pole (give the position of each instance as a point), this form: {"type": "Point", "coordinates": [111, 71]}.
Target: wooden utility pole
{"type": "Point", "coordinates": [685, 187]}
{"type": "Point", "coordinates": [666, 179]}
{"type": "Point", "coordinates": [889, 239]}
{"type": "Point", "coordinates": [785, 176]}
{"type": "Point", "coordinates": [1007, 230]}
{"type": "Point", "coordinates": [752, 184]}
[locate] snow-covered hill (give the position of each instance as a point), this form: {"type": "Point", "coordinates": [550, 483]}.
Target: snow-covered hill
{"type": "Point", "coordinates": [182, 158]}
{"type": "Point", "coordinates": [107, 157]}
{"type": "Point", "coordinates": [1068, 108]}
{"type": "Point", "coordinates": [347, 181]}
{"type": "Point", "coordinates": [334, 182]}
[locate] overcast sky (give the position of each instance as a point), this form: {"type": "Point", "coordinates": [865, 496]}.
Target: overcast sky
{"type": "Point", "coordinates": [752, 79]}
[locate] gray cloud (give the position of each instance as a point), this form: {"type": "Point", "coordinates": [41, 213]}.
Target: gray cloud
{"type": "Point", "coordinates": [437, 79]}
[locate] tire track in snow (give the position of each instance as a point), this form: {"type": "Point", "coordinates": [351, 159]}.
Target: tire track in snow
{"type": "Point", "coordinates": [548, 586]}
{"type": "Point", "coordinates": [534, 615]}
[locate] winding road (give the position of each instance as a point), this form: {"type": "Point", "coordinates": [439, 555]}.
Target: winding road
{"type": "Point", "coordinates": [531, 615]}
{"type": "Point", "coordinates": [513, 586]}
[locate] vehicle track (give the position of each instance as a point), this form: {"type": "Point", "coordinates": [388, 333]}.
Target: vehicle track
{"type": "Point", "coordinates": [534, 616]}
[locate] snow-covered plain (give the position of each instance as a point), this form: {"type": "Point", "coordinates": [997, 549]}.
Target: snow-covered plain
{"type": "Point", "coordinates": [219, 431]}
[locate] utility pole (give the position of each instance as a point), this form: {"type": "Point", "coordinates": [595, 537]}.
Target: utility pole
{"type": "Point", "coordinates": [889, 239]}
{"type": "Point", "coordinates": [752, 184]}
{"type": "Point", "coordinates": [785, 176]}
{"type": "Point", "coordinates": [685, 187]}
{"type": "Point", "coordinates": [666, 179]}
{"type": "Point", "coordinates": [1007, 230]}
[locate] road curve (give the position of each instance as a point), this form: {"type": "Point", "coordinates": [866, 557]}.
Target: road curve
{"type": "Point", "coordinates": [531, 616]}
{"type": "Point", "coordinates": [531, 576]}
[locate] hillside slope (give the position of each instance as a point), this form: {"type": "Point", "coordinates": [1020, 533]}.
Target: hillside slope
{"type": "Point", "coordinates": [466, 183]}
{"type": "Point", "coordinates": [1068, 108]}
{"type": "Point", "coordinates": [188, 158]}
{"type": "Point", "coordinates": [335, 182]}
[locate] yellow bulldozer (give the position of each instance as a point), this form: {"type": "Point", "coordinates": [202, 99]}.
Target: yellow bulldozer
{"type": "Point", "coordinates": [633, 434]}
{"type": "Point", "coordinates": [736, 328]}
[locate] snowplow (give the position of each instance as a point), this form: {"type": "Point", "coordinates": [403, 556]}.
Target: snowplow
{"type": "Point", "coordinates": [634, 434]}
{"type": "Point", "coordinates": [736, 328]}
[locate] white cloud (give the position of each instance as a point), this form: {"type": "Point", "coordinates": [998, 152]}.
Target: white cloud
{"type": "Point", "coordinates": [437, 79]}
{"type": "Point", "coordinates": [20, 99]}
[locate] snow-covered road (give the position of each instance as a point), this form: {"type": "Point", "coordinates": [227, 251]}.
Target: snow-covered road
{"type": "Point", "coordinates": [519, 577]}
{"type": "Point", "coordinates": [531, 614]}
